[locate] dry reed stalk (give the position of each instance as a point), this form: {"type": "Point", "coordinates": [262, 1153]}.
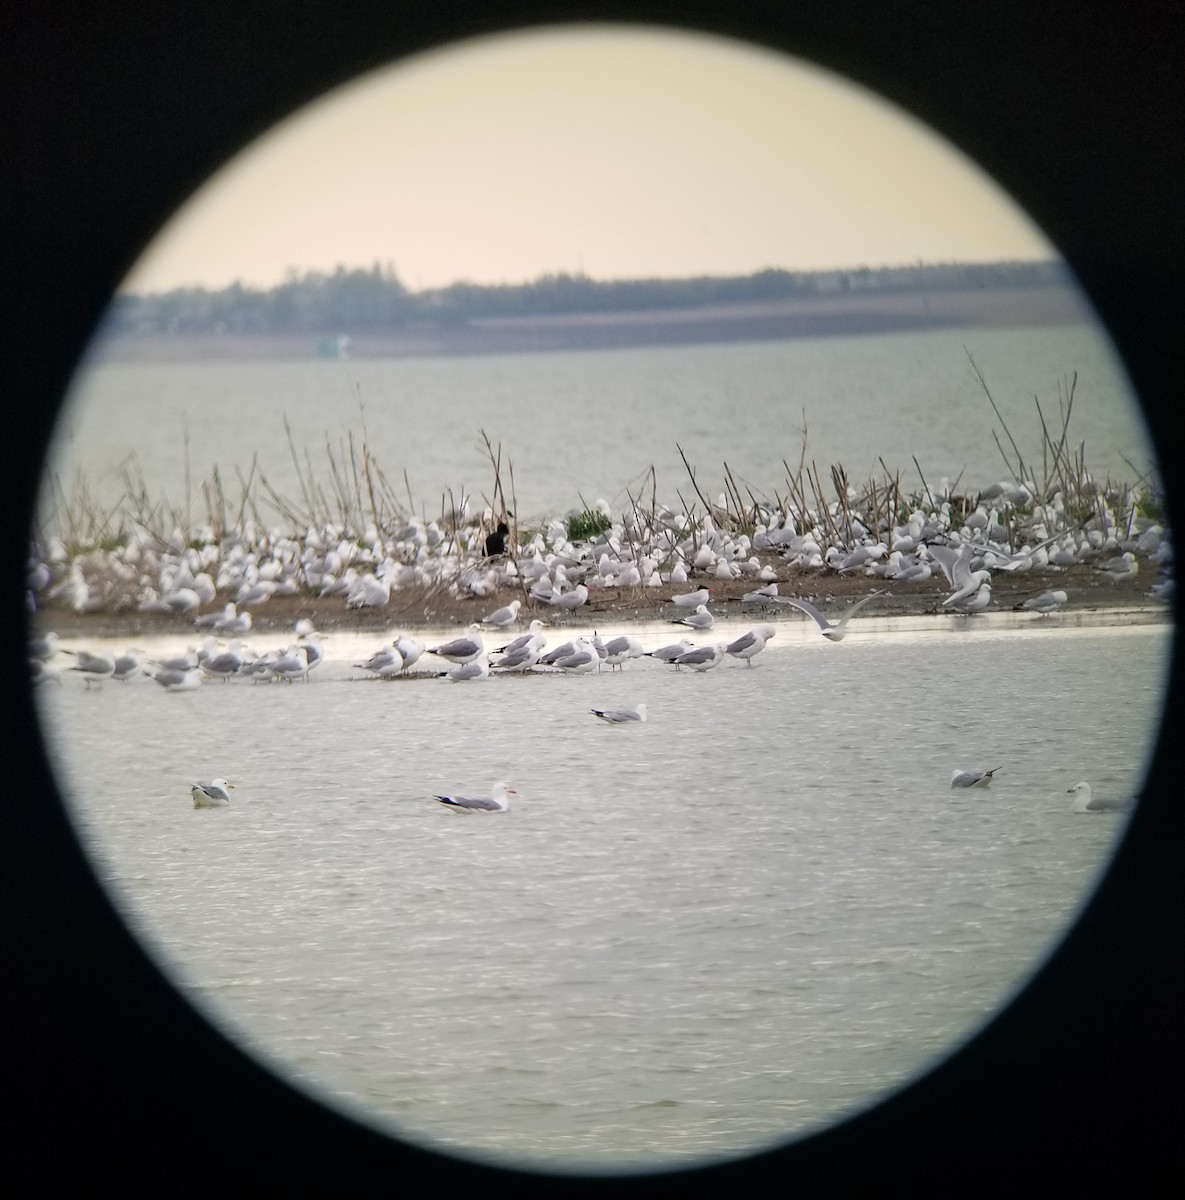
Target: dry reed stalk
{"type": "Point", "coordinates": [691, 474]}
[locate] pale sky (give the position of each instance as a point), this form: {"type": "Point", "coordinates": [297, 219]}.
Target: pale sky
{"type": "Point", "coordinates": [620, 153]}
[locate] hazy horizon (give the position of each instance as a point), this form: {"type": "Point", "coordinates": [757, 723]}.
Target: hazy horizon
{"type": "Point", "coordinates": [303, 272]}
{"type": "Point", "coordinates": [609, 151]}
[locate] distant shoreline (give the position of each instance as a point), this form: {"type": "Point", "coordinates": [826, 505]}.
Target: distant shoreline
{"type": "Point", "coordinates": [837, 315]}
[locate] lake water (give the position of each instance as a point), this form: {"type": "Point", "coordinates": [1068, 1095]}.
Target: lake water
{"type": "Point", "coordinates": [592, 423]}
{"type": "Point", "coordinates": [688, 939]}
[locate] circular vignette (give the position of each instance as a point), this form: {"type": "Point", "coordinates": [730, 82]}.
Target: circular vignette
{"type": "Point", "coordinates": [112, 1065]}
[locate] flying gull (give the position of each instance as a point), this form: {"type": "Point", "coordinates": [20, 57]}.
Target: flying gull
{"type": "Point", "coordinates": [832, 631]}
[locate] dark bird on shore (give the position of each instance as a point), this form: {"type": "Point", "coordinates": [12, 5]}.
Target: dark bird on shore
{"type": "Point", "coordinates": [496, 541]}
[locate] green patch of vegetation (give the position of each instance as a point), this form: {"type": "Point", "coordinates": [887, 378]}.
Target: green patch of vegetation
{"type": "Point", "coordinates": [587, 524]}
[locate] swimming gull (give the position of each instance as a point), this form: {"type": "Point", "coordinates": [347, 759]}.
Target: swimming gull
{"type": "Point", "coordinates": [832, 631]}
{"type": "Point", "coordinates": [972, 779]}
{"type": "Point", "coordinates": [1084, 802]}
{"type": "Point", "coordinates": [751, 643]}
{"type": "Point", "coordinates": [496, 802]}
{"type": "Point", "coordinates": [702, 658]}
{"type": "Point", "coordinates": [620, 716]}
{"type": "Point", "coordinates": [211, 795]}
{"type": "Point", "coordinates": [503, 617]}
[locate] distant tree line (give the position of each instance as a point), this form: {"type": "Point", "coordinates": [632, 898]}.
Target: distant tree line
{"type": "Point", "coordinates": [359, 300]}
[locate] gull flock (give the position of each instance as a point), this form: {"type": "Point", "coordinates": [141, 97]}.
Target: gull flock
{"type": "Point", "coordinates": [950, 543]}
{"type": "Point", "coordinates": [1007, 529]}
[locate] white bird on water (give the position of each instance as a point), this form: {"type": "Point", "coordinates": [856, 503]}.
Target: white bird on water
{"type": "Point", "coordinates": [620, 716]}
{"type": "Point", "coordinates": [972, 779]}
{"type": "Point", "coordinates": [211, 795]}
{"type": "Point", "coordinates": [496, 802]}
{"type": "Point", "coordinates": [833, 631]}
{"type": "Point", "coordinates": [1084, 802]}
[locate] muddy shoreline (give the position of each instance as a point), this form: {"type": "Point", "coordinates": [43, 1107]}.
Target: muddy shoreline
{"type": "Point", "coordinates": [422, 608]}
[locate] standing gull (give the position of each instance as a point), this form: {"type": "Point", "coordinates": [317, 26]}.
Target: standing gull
{"type": "Point", "coordinates": [461, 650]}
{"type": "Point", "coordinates": [386, 662]}
{"type": "Point", "coordinates": [692, 599]}
{"type": "Point", "coordinates": [535, 629]}
{"type": "Point", "coordinates": [703, 658]}
{"type": "Point", "coordinates": [211, 795]}
{"type": "Point", "coordinates": [496, 802]}
{"type": "Point", "coordinates": [1045, 603]}
{"type": "Point", "coordinates": [668, 654]}
{"type": "Point", "coordinates": [751, 643]}
{"type": "Point", "coordinates": [188, 680]}
{"type": "Point", "coordinates": [832, 631]}
{"type": "Point", "coordinates": [972, 779]}
{"type": "Point", "coordinates": [620, 716]}
{"type": "Point", "coordinates": [96, 667]}
{"type": "Point", "coordinates": [503, 617]}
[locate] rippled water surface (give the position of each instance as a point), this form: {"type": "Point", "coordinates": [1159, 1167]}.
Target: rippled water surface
{"type": "Point", "coordinates": [592, 423]}
{"type": "Point", "coordinates": [686, 940]}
